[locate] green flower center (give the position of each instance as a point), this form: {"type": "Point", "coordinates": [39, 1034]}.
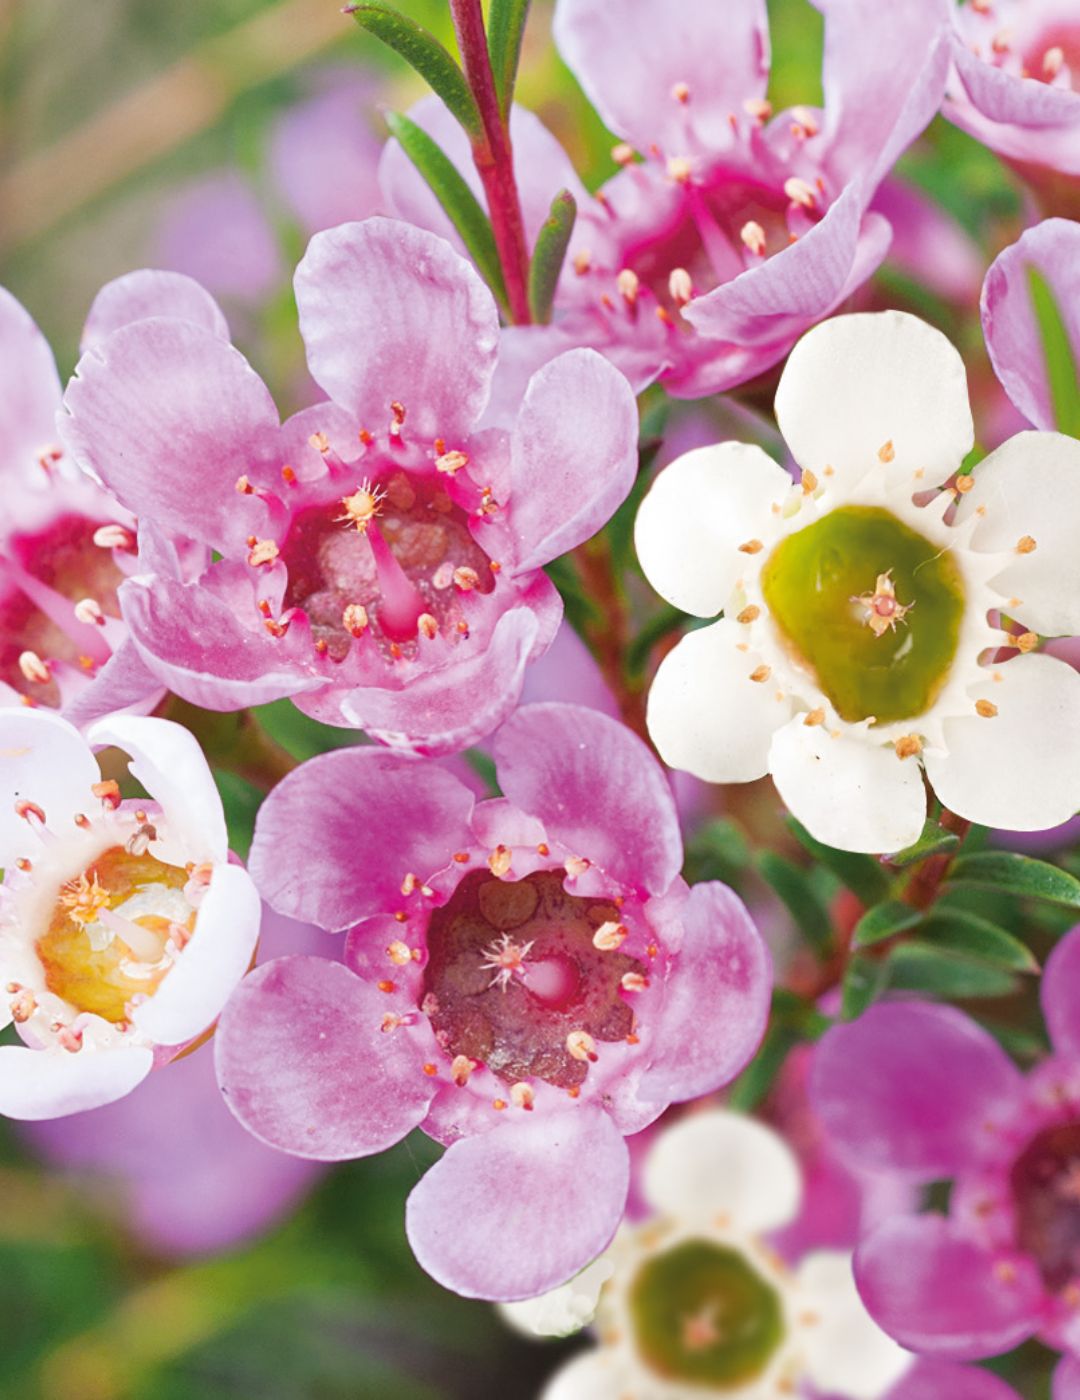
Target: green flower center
{"type": "Point", "coordinates": [869, 606]}
{"type": "Point", "coordinates": [704, 1316]}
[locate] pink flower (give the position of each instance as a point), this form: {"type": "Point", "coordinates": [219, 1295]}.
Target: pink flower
{"type": "Point", "coordinates": [123, 926]}
{"type": "Point", "coordinates": [1016, 88]}
{"type": "Point", "coordinates": [528, 980]}
{"type": "Point", "coordinates": [380, 557]}
{"type": "Point", "coordinates": [922, 1091]}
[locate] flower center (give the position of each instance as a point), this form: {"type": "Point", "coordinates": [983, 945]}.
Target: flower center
{"type": "Point", "coordinates": [110, 932]}
{"type": "Point", "coordinates": [871, 608]}
{"type": "Point", "coordinates": [515, 981]}
{"type": "Point", "coordinates": [1045, 1182]}
{"type": "Point", "coordinates": [385, 555]}
{"type": "Point", "coordinates": [704, 1316]}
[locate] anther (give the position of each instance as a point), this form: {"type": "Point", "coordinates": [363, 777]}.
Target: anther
{"type": "Point", "coordinates": [681, 93]}
{"type": "Point", "coordinates": [114, 537]}
{"type": "Point", "coordinates": [633, 982]}
{"type": "Point", "coordinates": [753, 237]}
{"type": "Point", "coordinates": [82, 821]}
{"type": "Point", "coordinates": [581, 1046]}
{"type": "Point", "coordinates": [1002, 41]}
{"type": "Point", "coordinates": [799, 192]}
{"type": "Point", "coordinates": [986, 708]}
{"type": "Point", "coordinates": [409, 884]}
{"type": "Point", "coordinates": [498, 1104]}
{"type": "Point", "coordinates": [760, 674]}
{"type": "Point", "coordinates": [680, 287]}
{"type": "Point", "coordinates": [908, 746]}
{"type": "Point", "coordinates": [466, 579]}
{"type": "Point", "coordinates": [23, 1005]}
{"type": "Point", "coordinates": [451, 462]}
{"type": "Point", "coordinates": [749, 614]}
{"type": "Point", "coordinates": [23, 864]}
{"type": "Point", "coordinates": [1052, 62]}
{"type": "Point", "coordinates": [758, 108]}
{"type": "Point", "coordinates": [244, 486]}
{"type": "Point", "coordinates": [262, 552]}
{"type": "Point", "coordinates": [69, 1039]}
{"type": "Point", "coordinates": [288, 475]}
{"type": "Point", "coordinates": [522, 1096]}
{"type": "Point", "coordinates": [609, 936]}
{"type": "Point", "coordinates": [582, 262]}
{"type": "Point", "coordinates": [814, 717]}
{"type": "Point", "coordinates": [355, 619]}
{"type": "Point", "coordinates": [29, 811]}
{"type": "Point", "coordinates": [886, 452]}
{"type": "Point", "coordinates": [622, 154]}
{"type": "Point", "coordinates": [576, 865]}
{"type": "Point", "coordinates": [500, 860]}
{"type": "Point", "coordinates": [1025, 545]}
{"type": "Point", "coordinates": [680, 169]}
{"type": "Point", "coordinates": [430, 1070]}
{"type": "Point", "coordinates": [33, 668]}
{"type": "Point", "coordinates": [964, 483]}
{"type": "Point", "coordinates": [1026, 641]}
{"type": "Point", "coordinates": [391, 1021]}
{"type": "Point", "coordinates": [460, 1069]}
{"type": "Point", "coordinates": [751, 547]}
{"type": "Point", "coordinates": [399, 953]}
{"type": "Point", "coordinates": [809, 482]}
{"type": "Point", "coordinates": [462, 857]}
{"type": "Point", "coordinates": [89, 610]}
{"type": "Point", "coordinates": [427, 626]}
{"type": "Point", "coordinates": [543, 849]}
{"type": "Point", "coordinates": [398, 410]}
{"type": "Point", "coordinates": [805, 123]}
{"type": "Point", "coordinates": [628, 284]}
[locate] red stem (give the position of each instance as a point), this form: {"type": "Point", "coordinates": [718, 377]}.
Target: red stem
{"type": "Point", "coordinates": [494, 158]}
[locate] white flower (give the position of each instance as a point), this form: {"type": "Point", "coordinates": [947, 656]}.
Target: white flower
{"type": "Point", "coordinates": [872, 625]}
{"type": "Point", "coordinates": [697, 1304]}
{"type": "Point", "coordinates": [123, 926]}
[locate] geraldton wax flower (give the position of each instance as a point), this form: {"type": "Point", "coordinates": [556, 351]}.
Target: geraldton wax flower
{"type": "Point", "coordinates": [876, 624]}
{"type": "Point", "coordinates": [123, 926]}
{"type": "Point", "coordinates": [528, 979]}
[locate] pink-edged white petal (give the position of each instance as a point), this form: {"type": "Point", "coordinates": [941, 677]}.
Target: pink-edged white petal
{"type": "Point", "coordinates": [573, 456]}
{"type": "Point", "coordinates": [705, 714]}
{"type": "Point", "coordinates": [139, 295]}
{"type": "Point", "coordinates": [304, 1063]}
{"type": "Point", "coordinates": [595, 787]}
{"type": "Point", "coordinates": [1009, 768]}
{"type": "Point", "coordinates": [520, 1209]}
{"type": "Point", "coordinates": [848, 792]}
{"type": "Point", "coordinates": [427, 324]}
{"type": "Point", "coordinates": [167, 760]}
{"type": "Point", "coordinates": [847, 1353]}
{"type": "Point", "coordinates": [226, 930]}
{"type": "Point", "coordinates": [45, 761]}
{"type": "Point", "coordinates": [1030, 487]}
{"type": "Point", "coordinates": [598, 1374]}
{"type": "Point", "coordinates": [698, 512]}
{"type": "Point", "coordinates": [717, 1162]}
{"type": "Point", "coordinates": [29, 395]}
{"type": "Point", "coordinates": [856, 383]}
{"type": "Point", "coordinates": [36, 1084]}
{"type": "Point", "coordinates": [1058, 994]}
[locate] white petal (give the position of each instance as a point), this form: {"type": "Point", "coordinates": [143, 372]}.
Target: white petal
{"type": "Point", "coordinates": [697, 513]}
{"type": "Point", "coordinates": [849, 793]}
{"type": "Point", "coordinates": [855, 383]}
{"type": "Point", "coordinates": [45, 760]}
{"type": "Point", "coordinates": [595, 1375]}
{"type": "Point", "coordinates": [209, 968]}
{"type": "Point", "coordinates": [36, 1084]}
{"type": "Point", "coordinates": [719, 1162]}
{"type": "Point", "coordinates": [847, 1352]}
{"type": "Point", "coordinates": [706, 715]}
{"type": "Point", "coordinates": [168, 762]}
{"type": "Point", "coordinates": [564, 1310]}
{"type": "Point", "coordinates": [1020, 768]}
{"type": "Point", "coordinates": [1031, 486]}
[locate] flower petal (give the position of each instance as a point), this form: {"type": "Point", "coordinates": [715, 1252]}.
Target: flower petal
{"type": "Point", "coordinates": [125, 681]}
{"type": "Point", "coordinates": [573, 456]}
{"type": "Point", "coordinates": [30, 394]}
{"type": "Point", "coordinates": [1031, 486]}
{"type": "Point", "coordinates": [855, 383]}
{"type": "Point", "coordinates": [427, 325]}
{"type": "Point", "coordinates": [930, 1380]}
{"type": "Point", "coordinates": [215, 230]}
{"type": "Point", "coordinates": [1058, 994]}
{"type": "Point", "coordinates": [596, 788]}
{"type": "Point", "coordinates": [698, 512]}
{"type": "Point", "coordinates": [305, 1066]}
{"type": "Point", "coordinates": [597, 1374]}
{"type": "Point", "coordinates": [847, 1352]}
{"type": "Point", "coordinates": [716, 999]}
{"type": "Point", "coordinates": [167, 760]}
{"type": "Point", "coordinates": [717, 1162]}
{"type": "Point", "coordinates": [137, 296]}
{"type": "Point", "coordinates": [850, 793]}
{"type": "Point", "coordinates": [564, 1310]}
{"type": "Point", "coordinates": [937, 1292]}
{"type": "Point", "coordinates": [706, 716]}
{"type": "Point", "coordinates": [1037, 700]}
{"type": "Point", "coordinates": [1066, 1384]}
{"type": "Point", "coordinates": [480, 1220]}
{"type": "Point", "coordinates": [335, 838]}
{"type": "Point", "coordinates": [46, 761]}
{"type": "Point", "coordinates": [37, 1084]}
{"type": "Point", "coordinates": [1025, 102]}
{"type": "Point", "coordinates": [909, 1088]}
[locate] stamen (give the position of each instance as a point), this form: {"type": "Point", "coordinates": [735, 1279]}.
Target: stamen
{"type": "Point", "coordinates": [886, 452]}
{"type": "Point", "coordinates": [799, 192]}
{"type": "Point", "coordinates": [1053, 61]}
{"type": "Point", "coordinates": [623, 154]}
{"type": "Point", "coordinates": [753, 236]}
{"type": "Point", "coordinates": [1025, 545]}
{"type": "Point", "coordinates": [89, 610]}
{"type": "Point", "coordinates": [261, 552]}
{"type": "Point", "coordinates": [363, 505]}
{"type": "Point", "coordinates": [522, 1096]}
{"type": "Point", "coordinates": [681, 93]}
{"type": "Point", "coordinates": [500, 860]}
{"type": "Point", "coordinates": [986, 708]}
{"type": "Point", "coordinates": [451, 462]}
{"type": "Point", "coordinates": [908, 746]}
{"type": "Point", "coordinates": [355, 619]}
{"type": "Point", "coordinates": [680, 287]}
{"type": "Point", "coordinates": [758, 108]}
{"type": "Point", "coordinates": [760, 674]}
{"type": "Point", "coordinates": [749, 614]}
{"type": "Point", "coordinates": [628, 284]}
{"type": "Point", "coordinates": [610, 936]}
{"type": "Point", "coordinates": [33, 668]}
{"type": "Point", "coordinates": [114, 537]}
{"type": "Point", "coordinates": [581, 1046]}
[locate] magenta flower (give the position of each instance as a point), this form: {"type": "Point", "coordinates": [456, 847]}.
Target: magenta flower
{"type": "Point", "coordinates": [1016, 88]}
{"type": "Point", "coordinates": [922, 1091]}
{"type": "Point", "coordinates": [528, 979]}
{"type": "Point", "coordinates": [380, 557]}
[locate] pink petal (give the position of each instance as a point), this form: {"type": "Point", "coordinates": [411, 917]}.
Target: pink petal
{"type": "Point", "coordinates": [716, 999]}
{"type": "Point", "coordinates": [390, 312]}
{"type": "Point", "coordinates": [945, 1380]}
{"type": "Point", "coordinates": [596, 788]}
{"type": "Point", "coordinates": [125, 682]}
{"type": "Point", "coordinates": [927, 243]}
{"type": "Point", "coordinates": [1060, 996]}
{"type": "Point", "coordinates": [573, 455]}
{"type": "Point", "coordinates": [936, 1292]}
{"type": "Point", "coordinates": [215, 230]}
{"type": "Point", "coordinates": [630, 58]}
{"type": "Point", "coordinates": [521, 1208]}
{"type": "Point", "coordinates": [911, 1088]}
{"type": "Point", "coordinates": [335, 838]}
{"type": "Point", "coordinates": [1066, 1384]}
{"type": "Point", "coordinates": [30, 393]}
{"type": "Point", "coordinates": [141, 295]}
{"type": "Point", "coordinates": [36, 1084]}
{"type": "Point", "coordinates": [305, 1066]}
{"type": "Point", "coordinates": [568, 671]}
{"type": "Point", "coordinates": [168, 415]}
{"type": "Point", "coordinates": [1025, 102]}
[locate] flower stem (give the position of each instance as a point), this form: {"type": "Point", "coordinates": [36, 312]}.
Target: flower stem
{"type": "Point", "coordinates": [928, 878]}
{"type": "Point", "coordinates": [494, 158]}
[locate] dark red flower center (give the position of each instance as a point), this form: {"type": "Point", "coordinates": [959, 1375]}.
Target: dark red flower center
{"type": "Point", "coordinates": [1045, 1182]}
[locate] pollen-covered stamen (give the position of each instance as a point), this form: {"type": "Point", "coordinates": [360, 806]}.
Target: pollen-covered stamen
{"type": "Point", "coordinates": [115, 537]}
{"type": "Point", "coordinates": [363, 505]}
{"type": "Point", "coordinates": [88, 610]}
{"type": "Point", "coordinates": [507, 959]}
{"type": "Point", "coordinates": [33, 668]}
{"type": "Point", "coordinates": [799, 192]}
{"type": "Point", "coordinates": [753, 237]}
{"type": "Point", "coordinates": [261, 552]}
{"type": "Point", "coordinates": [1053, 60]}
{"type": "Point", "coordinates": [84, 898]}
{"type": "Point", "coordinates": [883, 610]}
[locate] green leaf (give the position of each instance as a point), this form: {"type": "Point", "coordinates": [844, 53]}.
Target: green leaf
{"type": "Point", "coordinates": [757, 1078]}
{"type": "Point", "coordinates": [718, 851]}
{"type": "Point", "coordinates": [934, 841]}
{"type": "Point", "coordinates": [506, 29]}
{"type": "Point", "coordinates": [922, 967]}
{"type": "Point", "coordinates": [803, 902]}
{"type": "Point", "coordinates": [241, 801]}
{"type": "Point", "coordinates": [964, 932]}
{"type": "Point", "coordinates": [864, 980]}
{"type": "Point", "coordinates": [662, 623]}
{"type": "Point", "coordinates": [548, 255]}
{"type": "Point", "coordinates": [1019, 875]}
{"type": "Point", "coordinates": [422, 51]}
{"type": "Point", "coordinates": [453, 193]}
{"type": "Point", "coordinates": [862, 874]}
{"type": "Point", "coordinates": [1061, 373]}
{"type": "Point", "coordinates": [883, 920]}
